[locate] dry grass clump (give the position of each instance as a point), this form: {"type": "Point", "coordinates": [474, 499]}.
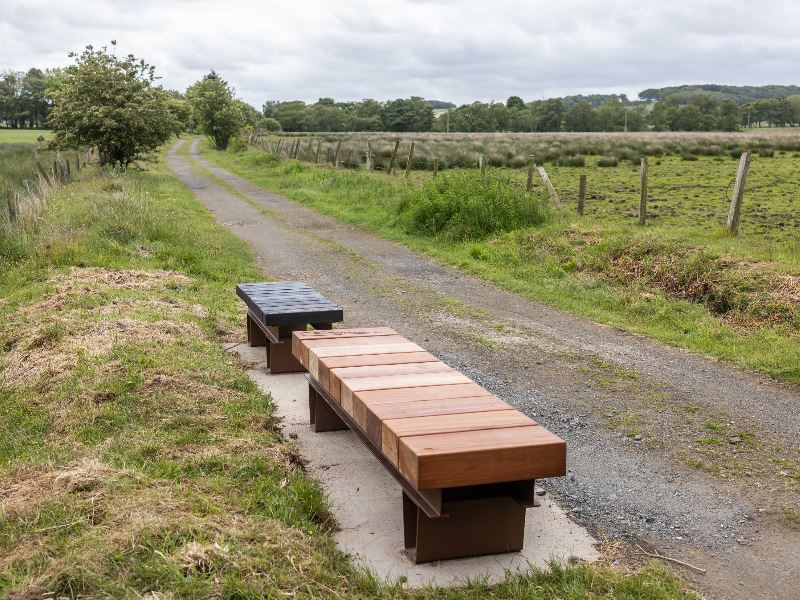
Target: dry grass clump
{"type": "Point", "coordinates": [126, 279]}
{"type": "Point", "coordinates": [48, 338]}
{"type": "Point", "coordinates": [29, 489]}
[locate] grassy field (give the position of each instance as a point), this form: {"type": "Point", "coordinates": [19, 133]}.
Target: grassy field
{"type": "Point", "coordinates": [515, 150]}
{"type": "Point", "coordinates": [15, 136]}
{"type": "Point", "coordinates": [681, 279]}
{"type": "Point", "coordinates": [137, 457]}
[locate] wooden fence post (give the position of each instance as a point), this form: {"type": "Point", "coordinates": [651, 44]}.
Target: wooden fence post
{"type": "Point", "coordinates": [550, 189]}
{"type": "Point", "coordinates": [308, 152]}
{"type": "Point", "coordinates": [319, 147]}
{"type": "Point", "coordinates": [12, 208]}
{"type": "Point", "coordinates": [336, 155]}
{"type": "Point", "coordinates": [643, 193]}
{"type": "Point", "coordinates": [369, 155]}
{"type": "Point", "coordinates": [529, 183]}
{"type": "Point", "coordinates": [481, 164]}
{"type": "Point", "coordinates": [390, 170]}
{"type": "Point", "coordinates": [735, 211]}
{"type": "Point", "coordinates": [435, 167]}
{"type": "Point", "coordinates": [581, 193]}
{"type": "Point", "coordinates": [41, 168]}
{"type": "Point", "coordinates": [410, 158]}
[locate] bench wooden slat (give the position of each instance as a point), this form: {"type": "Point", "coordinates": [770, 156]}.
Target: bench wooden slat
{"type": "Point", "coordinates": [393, 430]}
{"type": "Point", "coordinates": [444, 460]}
{"type": "Point", "coordinates": [395, 381]}
{"type": "Point", "coordinates": [336, 376]}
{"type": "Point", "coordinates": [363, 350]}
{"type": "Point", "coordinates": [320, 367]}
{"type": "Point", "coordinates": [346, 342]}
{"type": "Point", "coordinates": [376, 413]}
{"type": "Point", "coordinates": [364, 401]}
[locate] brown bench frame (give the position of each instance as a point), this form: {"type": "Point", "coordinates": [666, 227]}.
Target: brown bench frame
{"type": "Point", "coordinates": [278, 340]}
{"type": "Point", "coordinates": [445, 523]}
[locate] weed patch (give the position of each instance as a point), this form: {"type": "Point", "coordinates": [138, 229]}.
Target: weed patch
{"type": "Point", "coordinates": [463, 205]}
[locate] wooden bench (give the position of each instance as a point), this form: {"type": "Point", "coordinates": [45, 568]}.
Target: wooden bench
{"type": "Point", "coordinates": [276, 309]}
{"type": "Point", "coordinates": [466, 460]}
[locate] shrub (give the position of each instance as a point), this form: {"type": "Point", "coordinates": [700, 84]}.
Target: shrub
{"type": "Point", "coordinates": [572, 161]}
{"type": "Point", "coordinates": [112, 104]}
{"type": "Point", "coordinates": [237, 144]}
{"type": "Point", "coordinates": [688, 156]}
{"type": "Point", "coordinates": [464, 205]}
{"type": "Point", "coordinates": [766, 152]}
{"type": "Point", "coordinates": [608, 161]}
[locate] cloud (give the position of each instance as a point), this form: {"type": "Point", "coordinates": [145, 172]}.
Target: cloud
{"type": "Point", "coordinates": [449, 50]}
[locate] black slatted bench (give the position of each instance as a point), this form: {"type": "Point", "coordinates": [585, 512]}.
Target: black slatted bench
{"type": "Point", "coordinates": [275, 309]}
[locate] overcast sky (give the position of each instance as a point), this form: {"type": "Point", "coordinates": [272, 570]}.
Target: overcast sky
{"type": "Point", "coordinates": [447, 50]}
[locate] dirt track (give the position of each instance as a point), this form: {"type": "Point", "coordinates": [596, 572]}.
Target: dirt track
{"type": "Point", "coordinates": [579, 379]}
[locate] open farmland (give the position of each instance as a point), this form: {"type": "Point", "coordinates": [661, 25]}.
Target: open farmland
{"type": "Point", "coordinates": [681, 278]}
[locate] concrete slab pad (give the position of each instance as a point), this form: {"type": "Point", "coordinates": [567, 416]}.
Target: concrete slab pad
{"type": "Point", "coordinates": [367, 502]}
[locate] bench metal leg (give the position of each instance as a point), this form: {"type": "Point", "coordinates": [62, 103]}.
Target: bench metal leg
{"type": "Point", "coordinates": [321, 415]}
{"type": "Point", "coordinates": [255, 336]}
{"type": "Point", "coordinates": [470, 528]}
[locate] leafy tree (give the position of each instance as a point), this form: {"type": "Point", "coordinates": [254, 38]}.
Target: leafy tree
{"type": "Point", "coordinates": [580, 117]}
{"type": "Point", "coordinates": [218, 114]}
{"type": "Point", "coordinates": [270, 124]}
{"type": "Point", "coordinates": [515, 102]}
{"type": "Point", "coordinates": [412, 114]}
{"type": "Point", "coordinates": [290, 115]}
{"type": "Point", "coordinates": [110, 103]}
{"type": "Point", "coordinates": [548, 114]}
{"type": "Point", "coordinates": [728, 115]}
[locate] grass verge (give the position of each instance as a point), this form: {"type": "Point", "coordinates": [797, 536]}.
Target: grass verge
{"type": "Point", "coordinates": [137, 457]}
{"type": "Point", "coordinates": [689, 291]}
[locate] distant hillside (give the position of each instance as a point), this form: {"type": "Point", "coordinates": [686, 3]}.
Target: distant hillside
{"type": "Point", "coordinates": [439, 104]}
{"type": "Point", "coordinates": [740, 94]}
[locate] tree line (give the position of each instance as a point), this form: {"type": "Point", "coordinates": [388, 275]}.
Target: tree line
{"type": "Point", "coordinates": [113, 104]}
{"type": "Point", "coordinates": [22, 98]}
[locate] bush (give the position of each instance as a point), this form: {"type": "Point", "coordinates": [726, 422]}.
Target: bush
{"type": "Point", "coordinates": [464, 205]}
{"type": "Point", "coordinates": [112, 104]}
{"type": "Point", "coordinates": [237, 144]}
{"type": "Point", "coordinates": [766, 152]}
{"type": "Point", "coordinates": [572, 161]}
{"type": "Point", "coordinates": [608, 161]}
{"type": "Point", "coordinates": [688, 156]}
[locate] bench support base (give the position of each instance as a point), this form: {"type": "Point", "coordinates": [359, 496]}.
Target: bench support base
{"type": "Point", "coordinates": [470, 528]}
{"type": "Point", "coordinates": [321, 416]}
{"type": "Point", "coordinates": [440, 524]}
{"type": "Point", "coordinates": [278, 341]}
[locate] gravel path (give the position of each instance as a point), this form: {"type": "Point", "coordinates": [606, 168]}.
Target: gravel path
{"type": "Point", "coordinates": [577, 378]}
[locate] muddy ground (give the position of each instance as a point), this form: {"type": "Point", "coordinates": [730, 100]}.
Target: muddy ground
{"type": "Point", "coordinates": [668, 451]}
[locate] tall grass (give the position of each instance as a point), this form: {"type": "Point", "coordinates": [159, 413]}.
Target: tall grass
{"type": "Point", "coordinates": [517, 149]}
{"type": "Point", "coordinates": [16, 168]}
{"type": "Point", "coordinates": [464, 205]}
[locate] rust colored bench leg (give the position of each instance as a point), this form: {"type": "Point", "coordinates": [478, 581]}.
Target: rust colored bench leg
{"type": "Point", "coordinates": [471, 528]}
{"type": "Point", "coordinates": [321, 415]}
{"type": "Point", "coordinates": [280, 359]}
{"type": "Point", "coordinates": [255, 336]}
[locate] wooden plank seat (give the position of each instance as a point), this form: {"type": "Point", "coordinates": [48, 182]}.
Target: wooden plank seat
{"type": "Point", "coordinates": [275, 309]}
{"type": "Point", "coordinates": [466, 460]}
